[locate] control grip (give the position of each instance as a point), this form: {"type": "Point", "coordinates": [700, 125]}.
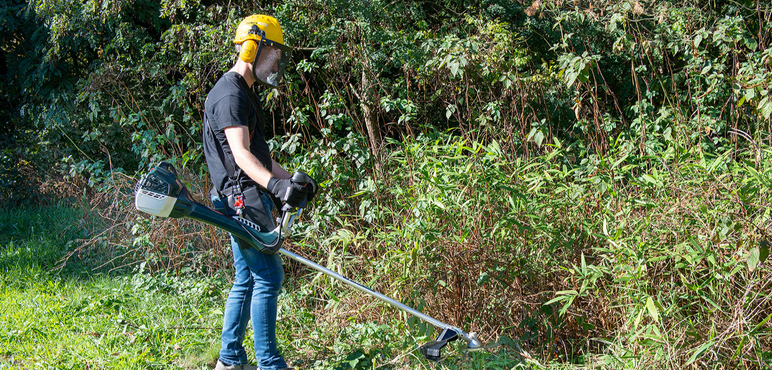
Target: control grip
{"type": "Point", "coordinates": [301, 179]}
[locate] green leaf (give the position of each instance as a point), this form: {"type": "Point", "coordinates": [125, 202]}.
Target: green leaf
{"type": "Point", "coordinates": [567, 305]}
{"type": "Point", "coordinates": [355, 358]}
{"type": "Point", "coordinates": [538, 137]}
{"type": "Point", "coordinates": [699, 352]}
{"type": "Point", "coordinates": [484, 277]}
{"type": "Point", "coordinates": [750, 43]}
{"type": "Point", "coordinates": [637, 320]}
{"type": "Point", "coordinates": [749, 94]}
{"type": "Point", "coordinates": [765, 107]}
{"type": "Point", "coordinates": [739, 348]}
{"type": "Point", "coordinates": [761, 324]}
{"type": "Point", "coordinates": [571, 78]}
{"type": "Point", "coordinates": [753, 259]}
{"type": "Point", "coordinates": [449, 110]}
{"type": "Point", "coordinates": [453, 68]}
{"type": "Point", "coordinates": [562, 296]}
{"type": "Point", "coordinates": [649, 179]}
{"type": "Point", "coordinates": [652, 308]}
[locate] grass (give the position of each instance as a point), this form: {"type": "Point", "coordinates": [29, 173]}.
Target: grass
{"type": "Point", "coordinates": [100, 323]}
{"type": "Point", "coordinates": [614, 262]}
{"type": "Point", "coordinates": [75, 318]}
{"type": "Point", "coordinates": [79, 318]}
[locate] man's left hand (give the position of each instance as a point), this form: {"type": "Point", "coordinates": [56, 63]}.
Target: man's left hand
{"type": "Point", "coordinates": [311, 189]}
{"type": "Point", "coordinates": [287, 191]}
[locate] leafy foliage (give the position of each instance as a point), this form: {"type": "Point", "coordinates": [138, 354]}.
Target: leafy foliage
{"type": "Point", "coordinates": [588, 179]}
{"type": "Point", "coordinates": [117, 86]}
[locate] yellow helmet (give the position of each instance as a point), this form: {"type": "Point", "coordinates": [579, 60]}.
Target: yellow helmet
{"type": "Point", "coordinates": [262, 44]}
{"type": "Point", "coordinates": [266, 23]}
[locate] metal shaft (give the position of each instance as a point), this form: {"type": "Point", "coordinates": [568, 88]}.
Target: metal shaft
{"type": "Point", "coordinates": [375, 294]}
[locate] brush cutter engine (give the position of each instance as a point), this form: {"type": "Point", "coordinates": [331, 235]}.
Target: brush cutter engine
{"type": "Point", "coordinates": [156, 193]}
{"type": "Point", "coordinates": [160, 193]}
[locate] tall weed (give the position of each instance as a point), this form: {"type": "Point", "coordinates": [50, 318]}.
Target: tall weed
{"type": "Point", "coordinates": [622, 260]}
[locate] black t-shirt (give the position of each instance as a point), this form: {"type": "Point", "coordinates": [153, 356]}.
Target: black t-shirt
{"type": "Point", "coordinates": [232, 103]}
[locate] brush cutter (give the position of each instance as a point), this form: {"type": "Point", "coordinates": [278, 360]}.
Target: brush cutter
{"type": "Point", "coordinates": [160, 193]}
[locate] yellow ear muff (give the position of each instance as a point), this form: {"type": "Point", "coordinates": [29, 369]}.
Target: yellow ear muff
{"type": "Point", "coordinates": [248, 51]}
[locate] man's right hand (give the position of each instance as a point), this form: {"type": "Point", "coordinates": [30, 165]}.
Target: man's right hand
{"type": "Point", "coordinates": [287, 191]}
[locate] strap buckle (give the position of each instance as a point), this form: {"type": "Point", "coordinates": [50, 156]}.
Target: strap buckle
{"type": "Point", "coordinates": [238, 199]}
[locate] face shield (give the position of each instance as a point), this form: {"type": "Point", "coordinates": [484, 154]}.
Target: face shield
{"type": "Point", "coordinates": [270, 60]}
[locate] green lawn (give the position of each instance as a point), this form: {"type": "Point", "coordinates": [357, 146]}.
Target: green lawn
{"type": "Point", "coordinates": [73, 318]}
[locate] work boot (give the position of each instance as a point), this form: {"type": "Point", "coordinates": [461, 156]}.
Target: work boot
{"type": "Point", "coordinates": [222, 366]}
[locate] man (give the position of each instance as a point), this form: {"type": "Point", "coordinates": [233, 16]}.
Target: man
{"type": "Point", "coordinates": [246, 179]}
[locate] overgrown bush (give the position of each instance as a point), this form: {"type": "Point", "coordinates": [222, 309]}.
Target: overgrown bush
{"type": "Point", "coordinates": [623, 261]}
{"type": "Point", "coordinates": [117, 86]}
{"type": "Point", "coordinates": [588, 179]}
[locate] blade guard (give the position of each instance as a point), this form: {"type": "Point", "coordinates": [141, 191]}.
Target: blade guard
{"type": "Point", "coordinates": [432, 350]}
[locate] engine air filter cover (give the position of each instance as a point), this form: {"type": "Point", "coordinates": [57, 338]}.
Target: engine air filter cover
{"type": "Point", "coordinates": [156, 192]}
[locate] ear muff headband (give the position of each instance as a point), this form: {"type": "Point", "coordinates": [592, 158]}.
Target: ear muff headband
{"type": "Point", "coordinates": [249, 46]}
{"type": "Point", "coordinates": [248, 51]}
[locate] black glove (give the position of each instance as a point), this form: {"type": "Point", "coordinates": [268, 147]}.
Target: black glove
{"type": "Point", "coordinates": [312, 189]}
{"type": "Point", "coordinates": [287, 191]}
{"type": "Point", "coordinates": [309, 185]}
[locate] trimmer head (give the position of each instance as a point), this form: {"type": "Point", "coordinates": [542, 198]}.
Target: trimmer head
{"type": "Point", "coordinates": [432, 350]}
{"type": "Point", "coordinates": [473, 344]}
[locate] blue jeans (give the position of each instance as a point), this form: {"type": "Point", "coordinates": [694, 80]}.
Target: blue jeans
{"type": "Point", "coordinates": [254, 295]}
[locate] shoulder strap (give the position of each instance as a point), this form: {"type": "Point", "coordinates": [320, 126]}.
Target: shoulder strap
{"type": "Point", "coordinates": [259, 110]}
{"type": "Point", "coordinates": [233, 170]}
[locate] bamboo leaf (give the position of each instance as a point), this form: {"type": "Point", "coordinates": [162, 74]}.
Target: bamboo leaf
{"type": "Point", "coordinates": [761, 324]}
{"type": "Point", "coordinates": [699, 352]}
{"type": "Point", "coordinates": [649, 179]}
{"type": "Point", "coordinates": [561, 296]}
{"type": "Point", "coordinates": [652, 308]}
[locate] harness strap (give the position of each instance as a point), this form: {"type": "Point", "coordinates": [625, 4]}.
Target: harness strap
{"type": "Point", "coordinates": [233, 170]}
{"type": "Point", "coordinates": [233, 189]}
